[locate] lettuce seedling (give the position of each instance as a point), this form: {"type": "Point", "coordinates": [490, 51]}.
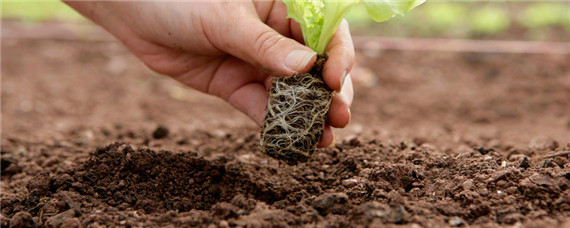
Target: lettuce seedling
{"type": "Point", "coordinates": [297, 106]}
{"type": "Point", "coordinates": [319, 19]}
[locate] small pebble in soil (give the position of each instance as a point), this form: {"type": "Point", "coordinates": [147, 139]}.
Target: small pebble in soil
{"type": "Point", "coordinates": [328, 200]}
{"type": "Point", "coordinates": [160, 132]}
{"type": "Point", "coordinates": [349, 183]}
{"type": "Point", "coordinates": [224, 224]}
{"type": "Point", "coordinates": [22, 219]}
{"type": "Point", "coordinates": [509, 218]}
{"type": "Point", "coordinates": [455, 221]}
{"type": "Point", "coordinates": [467, 185]}
{"type": "Point", "coordinates": [512, 190]}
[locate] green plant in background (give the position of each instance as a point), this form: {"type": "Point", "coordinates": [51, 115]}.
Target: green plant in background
{"type": "Point", "coordinates": [540, 15]}
{"type": "Point", "coordinates": [540, 18]}
{"type": "Point", "coordinates": [465, 19]}
{"type": "Point", "coordinates": [567, 19]}
{"type": "Point", "coordinates": [445, 15]}
{"type": "Point", "coordinates": [38, 11]}
{"type": "Point", "coordinates": [489, 20]}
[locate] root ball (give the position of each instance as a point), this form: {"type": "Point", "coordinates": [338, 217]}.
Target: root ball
{"type": "Point", "coordinates": [296, 116]}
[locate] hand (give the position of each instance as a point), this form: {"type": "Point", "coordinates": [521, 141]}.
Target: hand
{"type": "Point", "coordinates": [228, 49]}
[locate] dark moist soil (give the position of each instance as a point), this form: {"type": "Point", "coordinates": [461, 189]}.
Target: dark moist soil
{"type": "Point", "coordinates": [91, 138]}
{"type": "Point", "coordinates": [296, 115]}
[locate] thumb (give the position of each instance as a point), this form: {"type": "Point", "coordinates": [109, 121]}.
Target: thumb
{"type": "Point", "coordinates": [260, 45]}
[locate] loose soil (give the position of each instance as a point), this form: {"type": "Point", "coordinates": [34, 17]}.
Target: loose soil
{"type": "Point", "coordinates": [91, 138]}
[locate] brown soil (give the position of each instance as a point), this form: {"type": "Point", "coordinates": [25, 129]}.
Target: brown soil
{"type": "Point", "coordinates": [90, 137]}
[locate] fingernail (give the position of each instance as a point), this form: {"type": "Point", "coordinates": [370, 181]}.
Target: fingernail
{"type": "Point", "coordinates": [342, 78]}
{"type": "Point", "coordinates": [298, 60]}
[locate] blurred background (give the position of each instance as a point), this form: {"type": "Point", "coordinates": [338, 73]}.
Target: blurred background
{"type": "Point", "coordinates": [513, 20]}
{"type": "Point", "coordinates": [520, 20]}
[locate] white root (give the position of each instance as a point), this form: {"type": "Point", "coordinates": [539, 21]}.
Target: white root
{"type": "Point", "coordinates": [296, 117]}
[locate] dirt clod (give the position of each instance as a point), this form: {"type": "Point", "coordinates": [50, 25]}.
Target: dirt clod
{"type": "Point", "coordinates": [540, 180]}
{"type": "Point", "coordinates": [71, 223]}
{"type": "Point", "coordinates": [59, 219]}
{"type": "Point", "coordinates": [23, 219]}
{"type": "Point", "coordinates": [325, 203]}
{"type": "Point", "coordinates": [41, 183]}
{"type": "Point", "coordinates": [385, 213]}
{"type": "Point", "coordinates": [160, 132]}
{"type": "Point", "coordinates": [5, 161]}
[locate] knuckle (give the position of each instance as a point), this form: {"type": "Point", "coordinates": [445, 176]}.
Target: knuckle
{"type": "Point", "coordinates": [265, 42]}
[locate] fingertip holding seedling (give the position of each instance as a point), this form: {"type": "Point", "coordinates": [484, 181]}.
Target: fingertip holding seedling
{"type": "Point", "coordinates": [297, 106]}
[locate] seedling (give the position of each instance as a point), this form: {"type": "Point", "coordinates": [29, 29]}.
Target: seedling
{"type": "Point", "coordinates": [297, 106]}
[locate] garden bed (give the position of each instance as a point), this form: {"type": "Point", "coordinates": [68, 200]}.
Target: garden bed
{"type": "Point", "coordinates": [91, 137]}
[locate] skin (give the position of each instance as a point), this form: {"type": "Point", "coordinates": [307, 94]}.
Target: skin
{"type": "Point", "coordinates": [230, 49]}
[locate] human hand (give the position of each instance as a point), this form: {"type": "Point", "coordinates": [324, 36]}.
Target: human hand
{"type": "Point", "coordinates": [228, 49]}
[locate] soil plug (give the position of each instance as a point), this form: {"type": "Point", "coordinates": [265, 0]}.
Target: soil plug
{"type": "Point", "coordinates": [297, 106]}
{"type": "Point", "coordinates": [296, 115]}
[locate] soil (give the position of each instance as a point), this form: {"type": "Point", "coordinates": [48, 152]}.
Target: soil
{"type": "Point", "coordinates": [296, 115]}
{"type": "Point", "coordinates": [91, 138]}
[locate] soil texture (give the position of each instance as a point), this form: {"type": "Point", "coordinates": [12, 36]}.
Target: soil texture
{"type": "Point", "coordinates": [91, 138]}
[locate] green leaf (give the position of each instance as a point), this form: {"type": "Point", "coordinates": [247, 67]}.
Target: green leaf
{"type": "Point", "coordinates": [319, 19]}
{"type": "Point", "coordinates": [383, 10]}
{"type": "Point", "coordinates": [334, 12]}
{"type": "Point", "coordinates": [310, 17]}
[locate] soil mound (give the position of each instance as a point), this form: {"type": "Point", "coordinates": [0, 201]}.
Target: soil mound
{"type": "Point", "coordinates": [153, 180]}
{"type": "Point", "coordinates": [159, 181]}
